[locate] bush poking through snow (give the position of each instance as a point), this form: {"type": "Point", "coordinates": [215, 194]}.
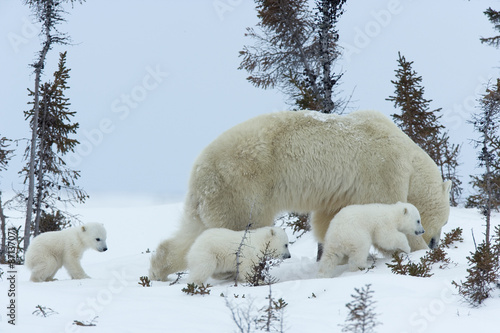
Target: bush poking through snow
{"type": "Point", "coordinates": [248, 319]}
{"type": "Point", "coordinates": [43, 311]}
{"type": "Point", "coordinates": [93, 322]}
{"type": "Point", "coordinates": [179, 275]}
{"type": "Point", "coordinates": [361, 317]}
{"type": "Point", "coordinates": [436, 255]}
{"type": "Point", "coordinates": [260, 273]}
{"type": "Point", "coordinates": [451, 237]}
{"type": "Point", "coordinates": [193, 289]}
{"type": "Point", "coordinates": [484, 272]}
{"type": "Point", "coordinates": [238, 252]}
{"type": "Point", "coordinates": [272, 319]}
{"type": "Point", "coordinates": [144, 281]}
{"type": "Point", "coordinates": [398, 266]}
{"type": "Point", "coordinates": [18, 254]}
{"type": "Point", "coordinates": [242, 315]}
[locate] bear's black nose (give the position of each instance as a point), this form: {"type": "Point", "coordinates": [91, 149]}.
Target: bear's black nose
{"type": "Point", "coordinates": [105, 249]}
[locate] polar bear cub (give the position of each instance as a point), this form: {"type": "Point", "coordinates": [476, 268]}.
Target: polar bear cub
{"type": "Point", "coordinates": [214, 252]}
{"type": "Point", "coordinates": [357, 227]}
{"type": "Point", "coordinates": [49, 251]}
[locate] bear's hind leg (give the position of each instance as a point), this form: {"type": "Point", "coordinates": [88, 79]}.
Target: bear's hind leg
{"type": "Point", "coordinates": [330, 259]}
{"type": "Point", "coordinates": [44, 270]}
{"type": "Point", "coordinates": [357, 258]}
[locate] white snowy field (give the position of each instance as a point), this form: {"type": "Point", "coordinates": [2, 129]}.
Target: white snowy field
{"type": "Point", "coordinates": [118, 303]}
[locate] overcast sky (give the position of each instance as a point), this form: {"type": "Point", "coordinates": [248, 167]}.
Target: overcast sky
{"type": "Point", "coordinates": [154, 82]}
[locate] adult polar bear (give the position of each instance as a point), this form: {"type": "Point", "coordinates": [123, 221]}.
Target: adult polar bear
{"type": "Point", "coordinates": [305, 161]}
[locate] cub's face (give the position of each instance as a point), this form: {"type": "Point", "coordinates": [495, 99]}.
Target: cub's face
{"type": "Point", "coordinates": [411, 222]}
{"type": "Point", "coordinates": [279, 243]}
{"type": "Point", "coordinates": [95, 236]}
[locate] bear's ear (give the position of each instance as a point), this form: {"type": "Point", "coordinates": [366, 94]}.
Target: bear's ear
{"type": "Point", "coordinates": [405, 211]}
{"type": "Point", "coordinates": [83, 228]}
{"type": "Point", "coordinates": [272, 232]}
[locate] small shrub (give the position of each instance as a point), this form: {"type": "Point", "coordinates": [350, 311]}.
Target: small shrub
{"type": "Point", "coordinates": [451, 237]}
{"type": "Point", "coordinates": [399, 267]}
{"type": "Point", "coordinates": [436, 255]}
{"type": "Point", "coordinates": [273, 315]}
{"type": "Point", "coordinates": [242, 315]}
{"type": "Point", "coordinates": [260, 273]}
{"type": "Point", "coordinates": [238, 252]}
{"type": "Point", "coordinates": [86, 323]}
{"type": "Point", "coordinates": [362, 316]}
{"type": "Point", "coordinates": [144, 281]}
{"type": "Point", "coordinates": [53, 221]}
{"type": "Point", "coordinates": [179, 275]}
{"type": "Point", "coordinates": [43, 311]}
{"type": "Point", "coordinates": [16, 256]}
{"type": "Point", "coordinates": [298, 223]}
{"type": "Point", "coordinates": [193, 289]}
{"type": "Point", "coordinates": [484, 272]}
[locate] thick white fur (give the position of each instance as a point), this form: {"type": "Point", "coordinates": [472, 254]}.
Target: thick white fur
{"type": "Point", "coordinates": [49, 251]}
{"type": "Point", "coordinates": [305, 162]}
{"type": "Point", "coordinates": [356, 228]}
{"type": "Point", "coordinates": [214, 252]}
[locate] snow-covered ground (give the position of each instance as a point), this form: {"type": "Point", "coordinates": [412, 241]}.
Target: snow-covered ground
{"type": "Point", "coordinates": [114, 296]}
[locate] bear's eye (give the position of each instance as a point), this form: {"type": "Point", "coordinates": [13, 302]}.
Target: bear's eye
{"type": "Point", "coordinates": [286, 245]}
{"type": "Point", "coordinates": [98, 239]}
{"type": "Point", "coordinates": [418, 221]}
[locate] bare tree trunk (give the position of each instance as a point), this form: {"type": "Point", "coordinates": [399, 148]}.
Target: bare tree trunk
{"type": "Point", "coordinates": [489, 190]}
{"type": "Point", "coordinates": [40, 174]}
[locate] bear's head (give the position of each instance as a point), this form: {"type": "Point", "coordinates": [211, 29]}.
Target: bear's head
{"type": "Point", "coordinates": [278, 242]}
{"type": "Point", "coordinates": [410, 222]}
{"type": "Point", "coordinates": [435, 212]}
{"type": "Point", "coordinates": [94, 236]}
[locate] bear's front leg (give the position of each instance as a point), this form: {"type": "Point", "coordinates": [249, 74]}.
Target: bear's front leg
{"type": "Point", "coordinates": [74, 268]}
{"type": "Point", "coordinates": [395, 241]}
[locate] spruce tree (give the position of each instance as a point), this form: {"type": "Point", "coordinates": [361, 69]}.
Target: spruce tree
{"type": "Point", "coordinates": [49, 13]}
{"type": "Point", "coordinates": [483, 274]}
{"type": "Point", "coordinates": [5, 153]}
{"type": "Point", "coordinates": [55, 182]}
{"type": "Point", "coordinates": [416, 120]}
{"type": "Point", "coordinates": [486, 123]}
{"type": "Point", "coordinates": [362, 316]}
{"type": "Point", "coordinates": [484, 265]}
{"type": "Point", "coordinates": [445, 154]}
{"type": "Point", "coordinates": [494, 18]}
{"type": "Point", "coordinates": [422, 124]}
{"type": "Point", "coordinates": [295, 51]}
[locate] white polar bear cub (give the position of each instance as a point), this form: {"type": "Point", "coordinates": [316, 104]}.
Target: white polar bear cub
{"type": "Point", "coordinates": [214, 252]}
{"type": "Point", "coordinates": [357, 227]}
{"type": "Point", "coordinates": [50, 251]}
